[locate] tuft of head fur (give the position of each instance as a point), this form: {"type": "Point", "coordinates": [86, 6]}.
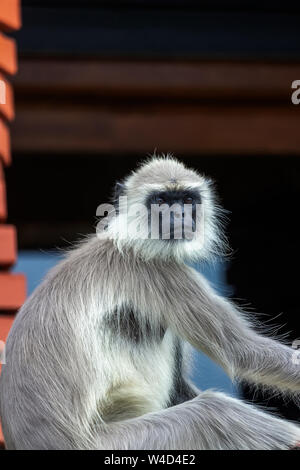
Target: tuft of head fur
{"type": "Point", "coordinates": [166, 173]}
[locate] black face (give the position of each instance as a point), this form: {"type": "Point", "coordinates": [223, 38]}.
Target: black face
{"type": "Point", "coordinates": [184, 215]}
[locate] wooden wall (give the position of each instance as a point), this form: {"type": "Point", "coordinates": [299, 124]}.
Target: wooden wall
{"type": "Point", "coordinates": [120, 106]}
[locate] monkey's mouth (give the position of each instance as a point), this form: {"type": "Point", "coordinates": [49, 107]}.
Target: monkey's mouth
{"type": "Point", "coordinates": [178, 231]}
{"type": "Point", "coordinates": [174, 239]}
{"type": "Point", "coordinates": [180, 235]}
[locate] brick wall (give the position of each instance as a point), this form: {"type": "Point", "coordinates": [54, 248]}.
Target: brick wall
{"type": "Point", "coordinates": [12, 286]}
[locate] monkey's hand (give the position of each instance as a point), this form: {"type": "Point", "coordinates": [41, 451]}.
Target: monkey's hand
{"type": "Point", "coordinates": [296, 447]}
{"type": "Point", "coordinates": [270, 363]}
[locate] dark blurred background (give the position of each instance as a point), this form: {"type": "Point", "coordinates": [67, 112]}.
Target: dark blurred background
{"type": "Point", "coordinates": [102, 84]}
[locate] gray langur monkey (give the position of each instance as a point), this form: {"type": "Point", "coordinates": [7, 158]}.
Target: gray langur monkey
{"type": "Point", "coordinates": [96, 357]}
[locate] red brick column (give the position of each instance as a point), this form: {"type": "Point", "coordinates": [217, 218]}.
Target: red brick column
{"type": "Point", "coordinates": [12, 286]}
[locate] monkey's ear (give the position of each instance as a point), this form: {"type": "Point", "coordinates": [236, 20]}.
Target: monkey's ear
{"type": "Point", "coordinates": [118, 191]}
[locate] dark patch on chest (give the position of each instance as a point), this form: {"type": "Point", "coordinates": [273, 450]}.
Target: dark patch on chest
{"type": "Point", "coordinates": [129, 325]}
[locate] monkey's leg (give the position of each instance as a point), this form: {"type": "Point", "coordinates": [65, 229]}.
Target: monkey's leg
{"type": "Point", "coordinates": [210, 421]}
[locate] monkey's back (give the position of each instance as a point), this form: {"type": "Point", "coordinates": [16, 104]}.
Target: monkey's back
{"type": "Point", "coordinates": [81, 352]}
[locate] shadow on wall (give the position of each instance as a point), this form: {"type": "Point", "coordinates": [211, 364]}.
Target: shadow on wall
{"type": "Point", "coordinates": [205, 373]}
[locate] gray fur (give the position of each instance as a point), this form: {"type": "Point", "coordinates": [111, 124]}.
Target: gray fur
{"type": "Point", "coordinates": [76, 379]}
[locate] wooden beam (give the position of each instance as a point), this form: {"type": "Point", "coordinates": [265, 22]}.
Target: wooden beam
{"type": "Point", "coordinates": [10, 14]}
{"type": "Point", "coordinates": [213, 80]}
{"type": "Point", "coordinates": [189, 129]}
{"type": "Point", "coordinates": [8, 245]}
{"type": "Point", "coordinates": [12, 291]}
{"type": "Point", "coordinates": [6, 105]}
{"type": "Point", "coordinates": [8, 55]}
{"type": "Point", "coordinates": [4, 143]}
{"type": "Point", "coordinates": [135, 106]}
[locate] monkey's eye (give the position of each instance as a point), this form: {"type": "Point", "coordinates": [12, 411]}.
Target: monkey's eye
{"type": "Point", "coordinates": [188, 200]}
{"type": "Point", "coordinates": [160, 201]}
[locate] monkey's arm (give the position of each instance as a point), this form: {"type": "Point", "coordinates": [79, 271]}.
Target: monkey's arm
{"type": "Point", "coordinates": [217, 327]}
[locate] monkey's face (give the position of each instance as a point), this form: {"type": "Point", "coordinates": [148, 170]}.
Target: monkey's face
{"type": "Point", "coordinates": [173, 214]}
{"type": "Point", "coordinates": [166, 210]}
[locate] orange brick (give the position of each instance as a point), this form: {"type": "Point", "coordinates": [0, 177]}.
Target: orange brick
{"type": "Point", "coordinates": [6, 99]}
{"type": "Point", "coordinates": [3, 211]}
{"type": "Point", "coordinates": [4, 143]}
{"type": "Point", "coordinates": [10, 14]}
{"type": "Point", "coordinates": [8, 245]}
{"type": "Point", "coordinates": [8, 55]}
{"type": "Point", "coordinates": [12, 291]}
